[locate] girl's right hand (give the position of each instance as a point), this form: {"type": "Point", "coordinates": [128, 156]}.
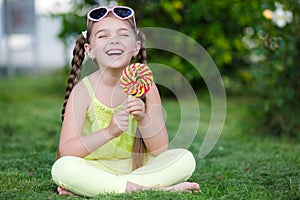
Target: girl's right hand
{"type": "Point", "coordinates": [119, 123]}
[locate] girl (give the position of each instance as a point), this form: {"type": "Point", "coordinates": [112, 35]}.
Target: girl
{"type": "Point", "coordinates": [110, 143]}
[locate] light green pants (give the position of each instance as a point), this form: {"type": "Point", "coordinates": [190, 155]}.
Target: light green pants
{"type": "Point", "coordinates": [92, 177]}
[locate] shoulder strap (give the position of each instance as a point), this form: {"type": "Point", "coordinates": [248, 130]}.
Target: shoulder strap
{"type": "Point", "coordinates": [88, 87]}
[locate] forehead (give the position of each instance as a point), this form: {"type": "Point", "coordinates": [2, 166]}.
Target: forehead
{"type": "Point", "coordinates": [111, 22]}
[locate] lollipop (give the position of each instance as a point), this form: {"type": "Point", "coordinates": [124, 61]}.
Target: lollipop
{"type": "Point", "coordinates": [136, 79]}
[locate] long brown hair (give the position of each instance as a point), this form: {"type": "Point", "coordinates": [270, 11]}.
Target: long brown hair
{"type": "Point", "coordinates": [77, 60]}
{"type": "Point", "coordinates": [139, 147]}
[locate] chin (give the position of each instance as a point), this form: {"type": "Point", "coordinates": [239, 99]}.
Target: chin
{"type": "Point", "coordinates": [118, 63]}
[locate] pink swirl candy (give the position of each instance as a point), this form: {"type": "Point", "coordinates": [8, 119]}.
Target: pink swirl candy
{"type": "Point", "coordinates": [136, 79]}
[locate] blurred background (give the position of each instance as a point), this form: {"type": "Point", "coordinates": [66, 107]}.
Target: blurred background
{"type": "Point", "coordinates": [28, 36]}
{"type": "Point", "coordinates": [255, 45]}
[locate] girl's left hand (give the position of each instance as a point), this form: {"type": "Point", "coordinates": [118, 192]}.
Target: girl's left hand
{"type": "Point", "coordinates": [136, 107]}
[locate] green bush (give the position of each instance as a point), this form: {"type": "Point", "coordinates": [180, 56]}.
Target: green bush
{"type": "Point", "coordinates": [216, 25]}
{"type": "Point", "coordinates": [275, 58]}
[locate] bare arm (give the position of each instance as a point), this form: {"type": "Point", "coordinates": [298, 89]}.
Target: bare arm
{"type": "Point", "coordinates": [151, 123]}
{"type": "Point", "coordinates": [71, 142]}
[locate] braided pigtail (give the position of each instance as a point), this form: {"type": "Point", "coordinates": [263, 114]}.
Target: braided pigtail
{"type": "Point", "coordinates": [142, 55]}
{"type": "Point", "coordinates": [78, 58]}
{"type": "Point", "coordinates": [139, 146]}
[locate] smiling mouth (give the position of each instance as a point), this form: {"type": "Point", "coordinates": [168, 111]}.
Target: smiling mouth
{"type": "Point", "coordinates": [114, 52]}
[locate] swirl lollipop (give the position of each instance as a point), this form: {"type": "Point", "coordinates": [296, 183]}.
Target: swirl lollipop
{"type": "Point", "coordinates": [136, 79]}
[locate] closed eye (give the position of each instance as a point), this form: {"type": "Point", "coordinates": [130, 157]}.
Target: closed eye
{"type": "Point", "coordinates": [124, 32]}
{"type": "Point", "coordinates": [102, 36]}
{"type": "Point", "coordinates": [124, 35]}
{"type": "Point", "coordinates": [102, 33]}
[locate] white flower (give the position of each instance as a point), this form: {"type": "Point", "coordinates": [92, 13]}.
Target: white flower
{"type": "Point", "coordinates": [280, 17]}
{"type": "Point", "coordinates": [288, 16]}
{"type": "Point", "coordinates": [255, 58]}
{"type": "Point", "coordinates": [249, 43]}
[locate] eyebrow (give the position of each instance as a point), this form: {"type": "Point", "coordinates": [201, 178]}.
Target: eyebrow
{"type": "Point", "coordinates": [99, 31]}
{"type": "Point", "coordinates": [124, 29]}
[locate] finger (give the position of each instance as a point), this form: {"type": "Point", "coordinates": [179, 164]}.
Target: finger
{"type": "Point", "coordinates": [135, 110]}
{"type": "Point", "coordinates": [123, 126]}
{"type": "Point", "coordinates": [135, 104]}
{"type": "Point", "coordinates": [137, 113]}
{"type": "Point", "coordinates": [130, 99]}
{"type": "Point", "coordinates": [122, 122]}
{"type": "Point", "coordinates": [134, 101]}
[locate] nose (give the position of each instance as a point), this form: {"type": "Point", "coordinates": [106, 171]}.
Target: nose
{"type": "Point", "coordinates": [114, 40]}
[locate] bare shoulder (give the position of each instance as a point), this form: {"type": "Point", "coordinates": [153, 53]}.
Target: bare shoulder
{"type": "Point", "coordinates": [80, 94]}
{"type": "Point", "coordinates": [153, 95]}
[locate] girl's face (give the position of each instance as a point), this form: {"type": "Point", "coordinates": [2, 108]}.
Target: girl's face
{"type": "Point", "coordinates": [112, 43]}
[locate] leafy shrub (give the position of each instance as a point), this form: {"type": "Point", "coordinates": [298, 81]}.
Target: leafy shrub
{"type": "Point", "coordinates": [275, 60]}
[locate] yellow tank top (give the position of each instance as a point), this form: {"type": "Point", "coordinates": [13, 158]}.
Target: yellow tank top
{"type": "Point", "coordinates": [99, 117]}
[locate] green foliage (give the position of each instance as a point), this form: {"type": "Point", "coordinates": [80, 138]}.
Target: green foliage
{"type": "Point", "coordinates": [276, 69]}
{"type": "Point", "coordinates": [74, 21]}
{"type": "Point", "coordinates": [216, 25]}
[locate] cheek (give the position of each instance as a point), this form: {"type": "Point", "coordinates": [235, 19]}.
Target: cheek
{"type": "Point", "coordinates": [96, 43]}
{"type": "Point", "coordinates": [130, 45]}
{"type": "Point", "coordinates": [97, 48]}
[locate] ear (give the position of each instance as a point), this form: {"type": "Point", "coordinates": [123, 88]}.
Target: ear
{"type": "Point", "coordinates": [137, 48]}
{"type": "Point", "coordinates": [88, 50]}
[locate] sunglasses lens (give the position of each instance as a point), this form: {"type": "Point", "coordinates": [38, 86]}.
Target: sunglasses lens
{"type": "Point", "coordinates": [98, 13]}
{"type": "Point", "coordinates": [122, 12]}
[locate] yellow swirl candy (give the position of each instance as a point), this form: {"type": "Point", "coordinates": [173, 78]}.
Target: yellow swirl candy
{"type": "Point", "coordinates": [136, 79]}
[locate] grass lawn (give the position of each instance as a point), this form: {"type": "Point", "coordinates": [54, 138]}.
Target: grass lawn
{"type": "Point", "coordinates": [242, 165]}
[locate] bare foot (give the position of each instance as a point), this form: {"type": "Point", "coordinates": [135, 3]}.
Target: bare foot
{"type": "Point", "coordinates": [62, 191]}
{"type": "Point", "coordinates": [180, 187]}
{"type": "Point", "coordinates": [184, 187]}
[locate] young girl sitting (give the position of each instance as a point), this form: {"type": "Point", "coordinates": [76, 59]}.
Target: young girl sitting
{"type": "Point", "coordinates": [110, 143]}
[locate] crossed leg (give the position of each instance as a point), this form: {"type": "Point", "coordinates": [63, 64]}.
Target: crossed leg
{"type": "Point", "coordinates": [148, 177]}
{"type": "Point", "coordinates": [131, 187]}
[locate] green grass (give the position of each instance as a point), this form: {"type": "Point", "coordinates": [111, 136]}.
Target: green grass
{"type": "Point", "coordinates": [242, 165]}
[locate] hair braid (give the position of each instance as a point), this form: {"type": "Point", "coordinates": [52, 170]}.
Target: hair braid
{"type": "Point", "coordinates": [139, 146]}
{"type": "Point", "coordinates": [142, 55]}
{"type": "Point", "coordinates": [78, 58]}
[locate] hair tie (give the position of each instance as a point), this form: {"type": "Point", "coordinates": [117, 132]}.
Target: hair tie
{"type": "Point", "coordinates": [84, 33]}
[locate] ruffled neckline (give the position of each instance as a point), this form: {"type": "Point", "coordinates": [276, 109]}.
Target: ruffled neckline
{"type": "Point", "coordinates": [106, 108]}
